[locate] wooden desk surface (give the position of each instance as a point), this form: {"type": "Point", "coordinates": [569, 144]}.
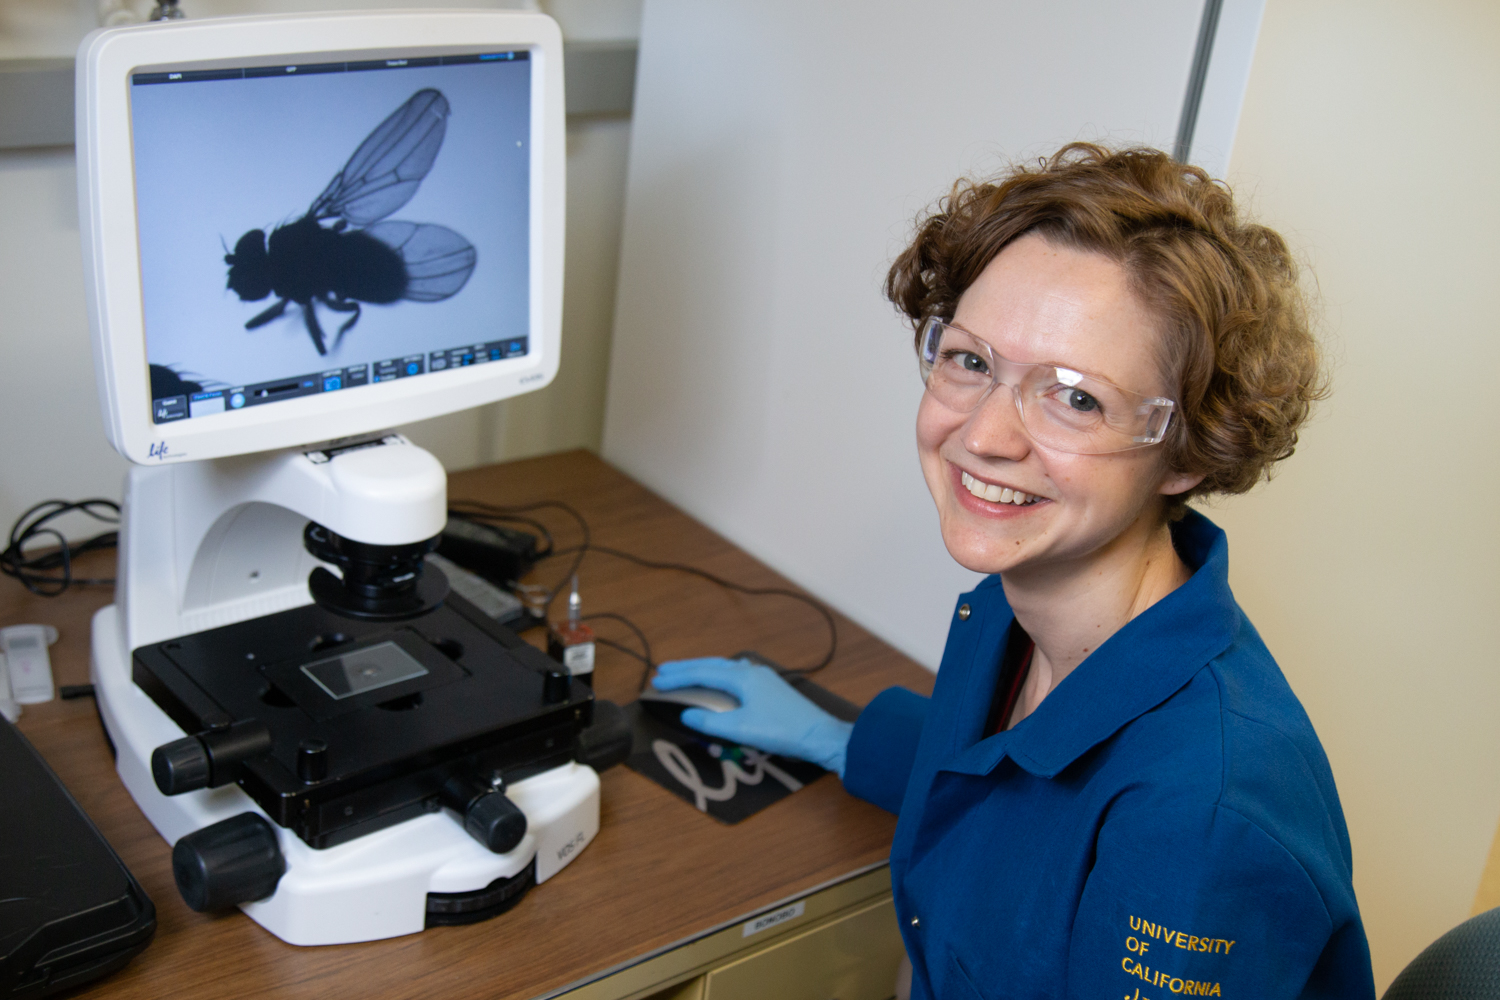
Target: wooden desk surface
{"type": "Point", "coordinates": [657, 873]}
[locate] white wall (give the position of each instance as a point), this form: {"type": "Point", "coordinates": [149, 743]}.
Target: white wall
{"type": "Point", "coordinates": [759, 382]}
{"type": "Point", "coordinates": [1371, 565]}
{"type": "Point", "coordinates": [779, 153]}
{"type": "Point", "coordinates": [51, 436]}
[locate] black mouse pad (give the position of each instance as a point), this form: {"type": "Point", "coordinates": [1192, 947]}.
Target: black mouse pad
{"type": "Point", "coordinates": [725, 780]}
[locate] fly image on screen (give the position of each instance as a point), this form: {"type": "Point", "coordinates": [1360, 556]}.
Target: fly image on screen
{"type": "Point", "coordinates": [316, 228]}
{"type": "Point", "coordinates": [312, 263]}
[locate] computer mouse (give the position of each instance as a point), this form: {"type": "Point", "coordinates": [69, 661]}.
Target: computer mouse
{"type": "Point", "coordinates": [668, 705]}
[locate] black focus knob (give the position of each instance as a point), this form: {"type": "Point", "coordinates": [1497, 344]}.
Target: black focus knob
{"type": "Point", "coordinates": [557, 686]}
{"type": "Point", "coordinates": [495, 822]}
{"type": "Point", "coordinates": [181, 766]}
{"type": "Point", "coordinates": [233, 861]}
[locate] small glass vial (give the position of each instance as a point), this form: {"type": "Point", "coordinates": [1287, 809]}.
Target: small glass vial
{"type": "Point", "coordinates": [572, 643]}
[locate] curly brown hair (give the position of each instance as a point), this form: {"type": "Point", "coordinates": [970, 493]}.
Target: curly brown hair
{"type": "Point", "coordinates": [1236, 347]}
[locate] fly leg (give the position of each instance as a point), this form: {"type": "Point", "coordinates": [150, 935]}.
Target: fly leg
{"type": "Point", "coordinates": [314, 328]}
{"type": "Point", "coordinates": [265, 317]}
{"type": "Point", "coordinates": [339, 304]}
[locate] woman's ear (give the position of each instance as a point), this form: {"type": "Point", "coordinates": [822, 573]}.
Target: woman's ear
{"type": "Point", "coordinates": [1179, 482]}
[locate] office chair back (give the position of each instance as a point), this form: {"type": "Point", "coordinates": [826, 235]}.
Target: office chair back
{"type": "Point", "coordinates": [1463, 964]}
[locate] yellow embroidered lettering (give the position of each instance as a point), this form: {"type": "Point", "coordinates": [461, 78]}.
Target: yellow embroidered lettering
{"type": "Point", "coordinates": [1215, 991]}
{"type": "Point", "coordinates": [1138, 945]}
{"type": "Point", "coordinates": [1175, 986]}
{"type": "Point", "coordinates": [1125, 964]}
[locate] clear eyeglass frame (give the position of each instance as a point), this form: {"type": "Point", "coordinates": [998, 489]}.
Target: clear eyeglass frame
{"type": "Point", "coordinates": [1062, 409]}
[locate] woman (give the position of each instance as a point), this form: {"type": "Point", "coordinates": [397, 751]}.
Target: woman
{"type": "Point", "coordinates": [1112, 791]}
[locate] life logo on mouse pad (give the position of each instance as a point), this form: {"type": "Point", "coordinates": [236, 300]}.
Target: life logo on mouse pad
{"type": "Point", "coordinates": [725, 780]}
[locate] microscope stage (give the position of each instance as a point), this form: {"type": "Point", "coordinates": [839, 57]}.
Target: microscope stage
{"type": "Point", "coordinates": [392, 710]}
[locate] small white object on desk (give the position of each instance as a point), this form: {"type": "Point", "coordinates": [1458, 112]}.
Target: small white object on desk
{"type": "Point", "coordinates": [9, 710]}
{"type": "Point", "coordinates": [25, 651]}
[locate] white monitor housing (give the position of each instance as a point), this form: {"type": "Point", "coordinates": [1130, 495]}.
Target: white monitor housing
{"type": "Point", "coordinates": [195, 135]}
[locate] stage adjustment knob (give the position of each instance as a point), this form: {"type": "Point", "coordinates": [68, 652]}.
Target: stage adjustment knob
{"type": "Point", "coordinates": [233, 861]}
{"type": "Point", "coordinates": [495, 822]}
{"type": "Point", "coordinates": [211, 759]}
{"type": "Point", "coordinates": [488, 816]}
{"type": "Point", "coordinates": [557, 686]}
{"type": "Point", "coordinates": [180, 766]}
{"type": "Point", "coordinates": [312, 760]}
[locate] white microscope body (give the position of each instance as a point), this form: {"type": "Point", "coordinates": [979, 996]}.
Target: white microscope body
{"type": "Point", "coordinates": [206, 544]}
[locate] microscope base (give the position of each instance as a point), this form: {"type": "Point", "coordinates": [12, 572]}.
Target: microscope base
{"type": "Point", "coordinates": [373, 887]}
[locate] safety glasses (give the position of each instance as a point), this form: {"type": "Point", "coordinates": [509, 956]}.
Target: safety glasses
{"type": "Point", "coordinates": [1061, 408]}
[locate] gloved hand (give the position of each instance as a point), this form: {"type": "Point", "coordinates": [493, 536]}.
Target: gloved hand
{"type": "Point", "coordinates": [772, 716]}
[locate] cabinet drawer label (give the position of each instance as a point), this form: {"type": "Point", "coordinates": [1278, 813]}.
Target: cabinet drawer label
{"type": "Point", "coordinates": [775, 919]}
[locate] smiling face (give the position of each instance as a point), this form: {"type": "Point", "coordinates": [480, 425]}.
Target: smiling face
{"type": "Point", "coordinates": [1038, 302]}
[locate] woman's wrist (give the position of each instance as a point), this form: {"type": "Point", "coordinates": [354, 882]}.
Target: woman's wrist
{"type": "Point", "coordinates": [829, 745]}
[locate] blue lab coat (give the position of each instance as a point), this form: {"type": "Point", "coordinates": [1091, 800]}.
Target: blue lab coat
{"type": "Point", "coordinates": [1164, 824]}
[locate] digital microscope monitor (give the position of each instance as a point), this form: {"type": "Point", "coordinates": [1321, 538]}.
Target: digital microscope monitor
{"type": "Point", "coordinates": [300, 232]}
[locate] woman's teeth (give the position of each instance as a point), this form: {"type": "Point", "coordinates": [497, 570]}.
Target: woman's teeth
{"type": "Point", "coordinates": [996, 494]}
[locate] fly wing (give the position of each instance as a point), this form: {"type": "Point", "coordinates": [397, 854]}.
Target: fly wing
{"type": "Point", "coordinates": [386, 169]}
{"type": "Point", "coordinates": [438, 260]}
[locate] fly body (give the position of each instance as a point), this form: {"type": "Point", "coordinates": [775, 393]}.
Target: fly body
{"type": "Point", "coordinates": [344, 251]}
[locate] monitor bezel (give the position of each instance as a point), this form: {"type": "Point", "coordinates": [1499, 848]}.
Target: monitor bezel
{"type": "Point", "coordinates": [108, 224]}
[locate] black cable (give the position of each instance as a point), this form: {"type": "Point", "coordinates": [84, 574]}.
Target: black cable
{"type": "Point", "coordinates": [496, 511]}
{"type": "Point", "coordinates": [484, 516]}
{"type": "Point", "coordinates": [833, 632]}
{"type": "Point", "coordinates": [38, 573]}
{"type": "Point", "coordinates": [645, 645]}
{"type": "Point", "coordinates": [473, 508]}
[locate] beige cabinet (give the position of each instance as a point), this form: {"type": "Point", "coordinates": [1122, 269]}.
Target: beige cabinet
{"type": "Point", "coordinates": [838, 942]}
{"type": "Point", "coordinates": [853, 957]}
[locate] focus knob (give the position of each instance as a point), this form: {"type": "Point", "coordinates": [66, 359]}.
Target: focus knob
{"type": "Point", "coordinates": [233, 861]}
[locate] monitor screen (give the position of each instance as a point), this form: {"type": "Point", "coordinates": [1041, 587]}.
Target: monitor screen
{"type": "Point", "coordinates": [321, 227]}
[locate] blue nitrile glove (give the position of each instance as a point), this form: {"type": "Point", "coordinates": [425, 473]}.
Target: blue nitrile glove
{"type": "Point", "coordinates": [772, 716]}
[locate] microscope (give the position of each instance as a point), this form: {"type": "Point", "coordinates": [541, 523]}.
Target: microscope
{"type": "Point", "coordinates": [330, 738]}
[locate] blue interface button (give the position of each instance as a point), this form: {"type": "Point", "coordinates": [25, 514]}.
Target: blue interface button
{"type": "Point", "coordinates": [494, 354]}
{"type": "Point", "coordinates": [236, 400]}
{"type": "Point", "coordinates": [330, 384]}
{"type": "Point", "coordinates": [412, 368]}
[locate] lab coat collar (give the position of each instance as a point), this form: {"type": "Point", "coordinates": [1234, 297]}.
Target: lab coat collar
{"type": "Point", "coordinates": [1136, 669]}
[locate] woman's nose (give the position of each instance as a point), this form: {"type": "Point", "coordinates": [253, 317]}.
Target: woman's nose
{"type": "Point", "coordinates": [994, 429]}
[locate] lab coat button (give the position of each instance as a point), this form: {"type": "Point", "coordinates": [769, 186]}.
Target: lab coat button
{"type": "Point", "coordinates": [964, 611]}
